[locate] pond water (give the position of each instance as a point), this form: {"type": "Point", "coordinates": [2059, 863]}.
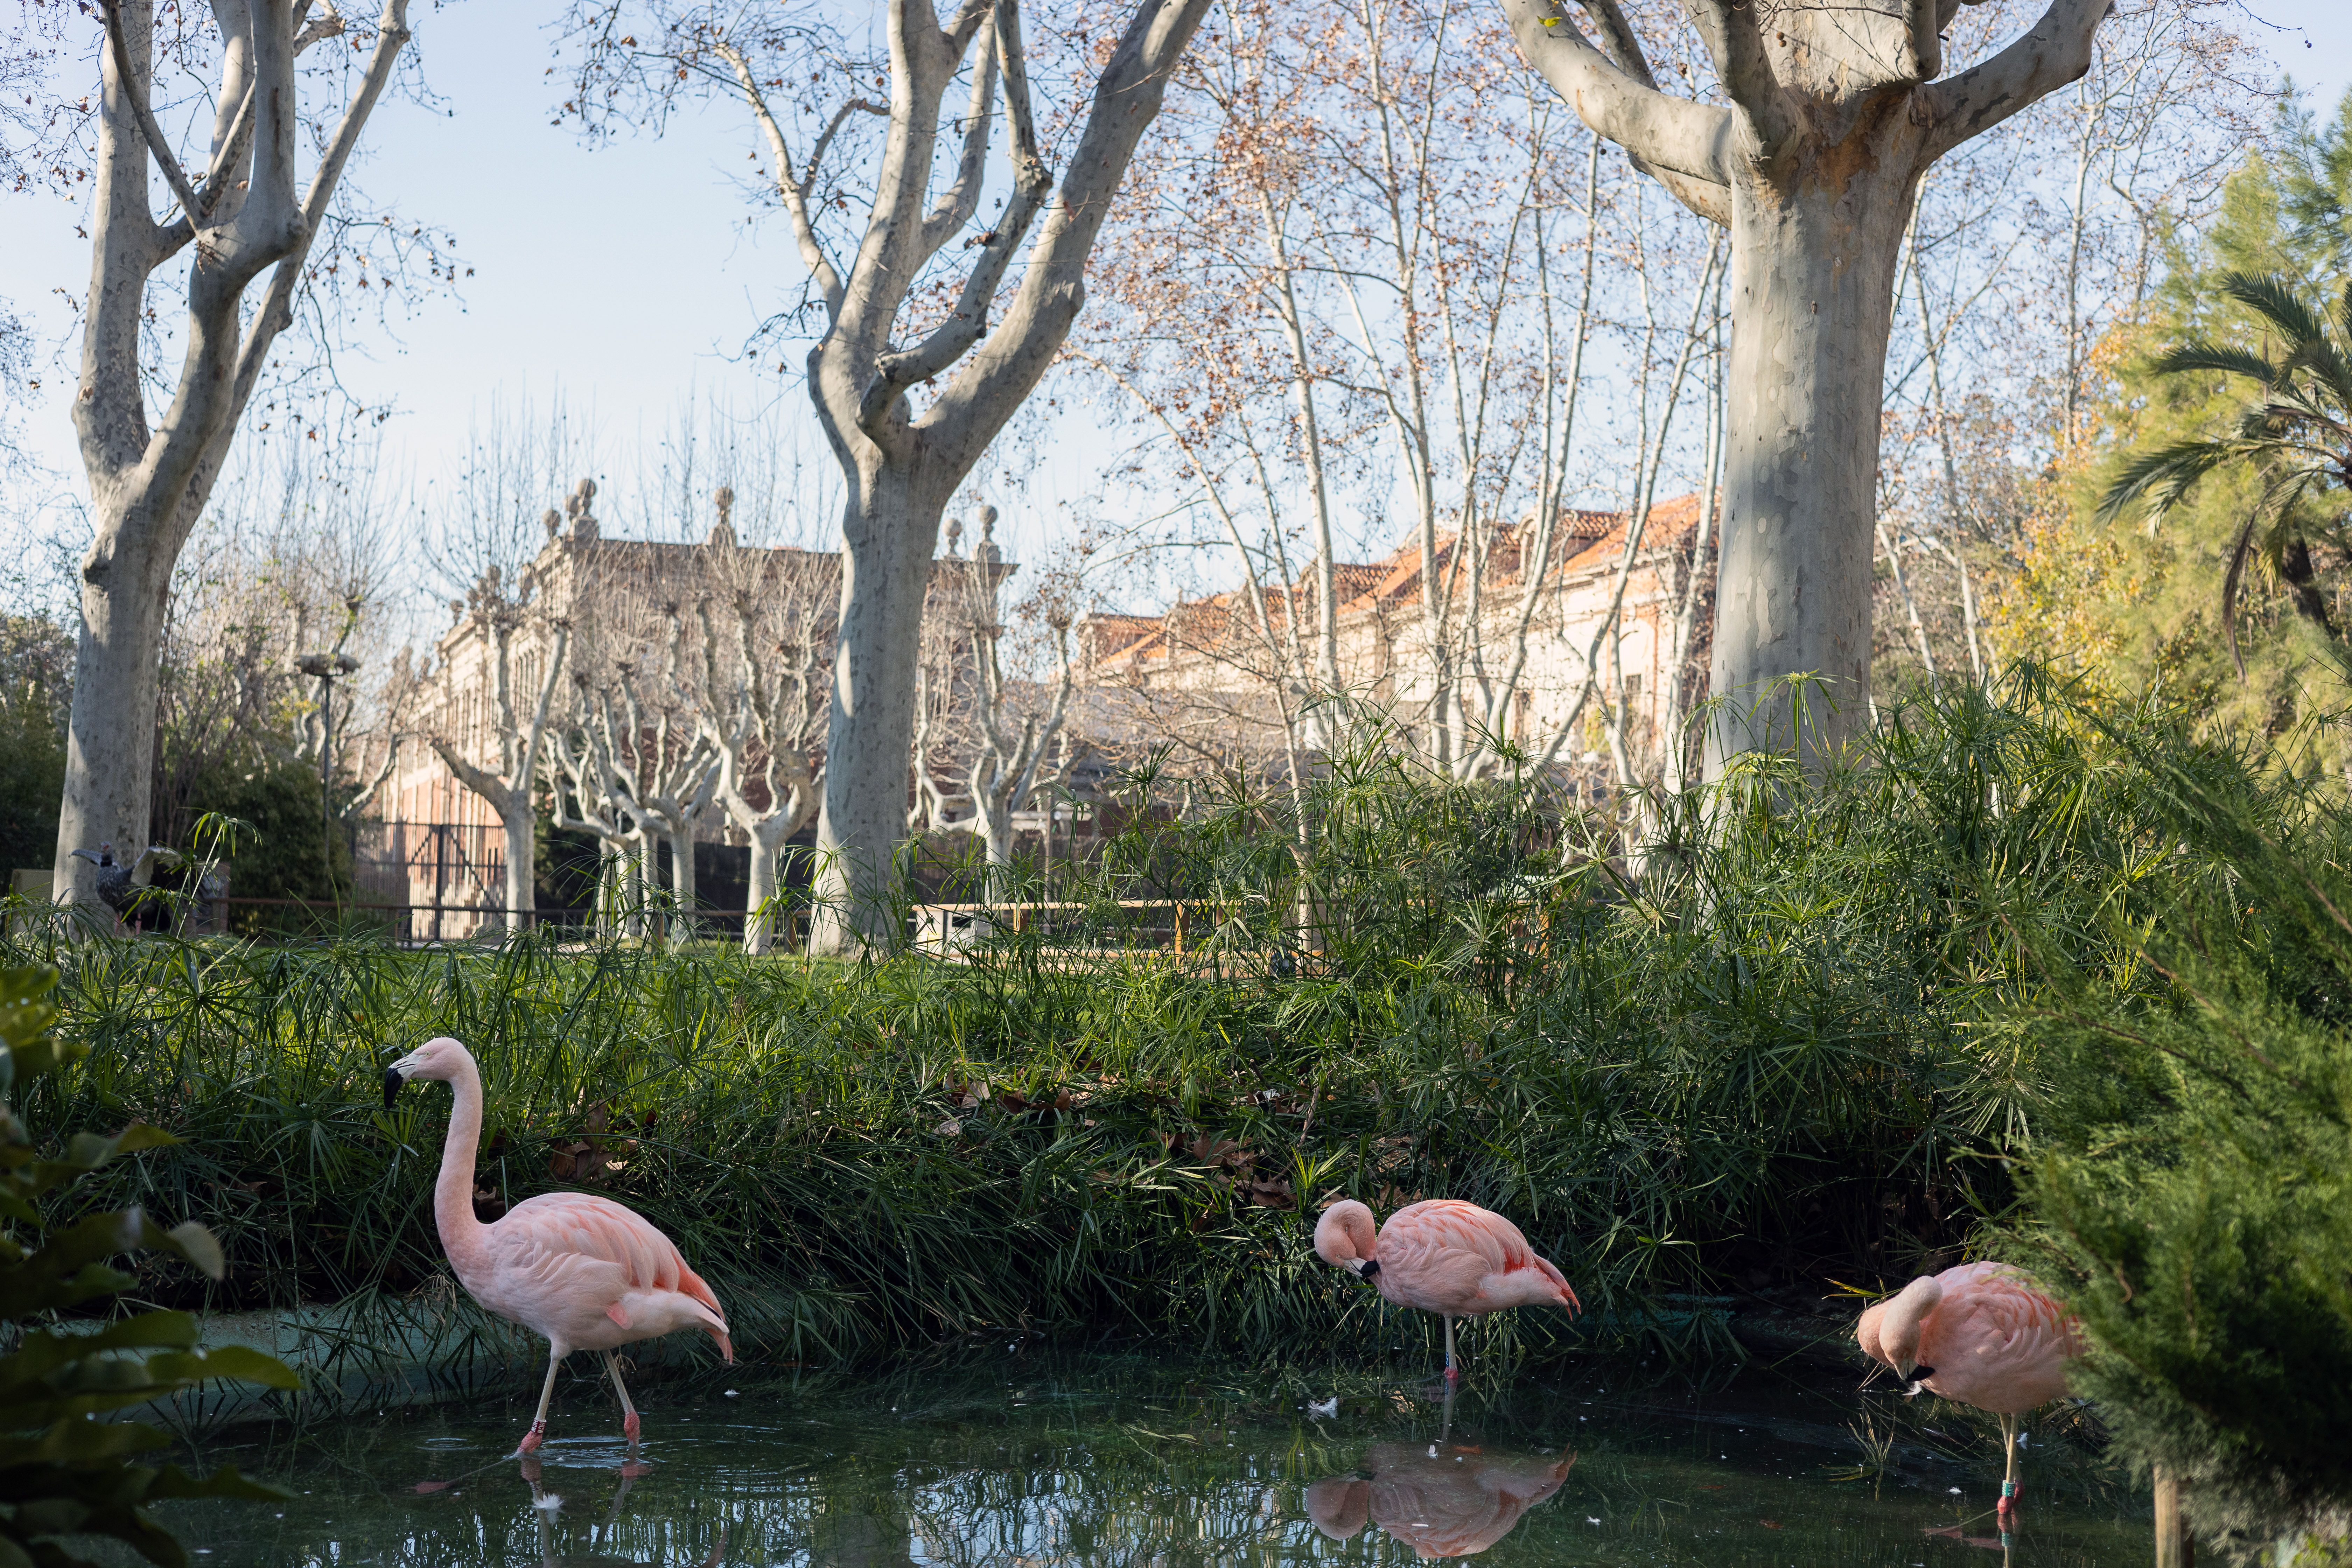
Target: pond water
{"type": "Point", "coordinates": [1019, 1456]}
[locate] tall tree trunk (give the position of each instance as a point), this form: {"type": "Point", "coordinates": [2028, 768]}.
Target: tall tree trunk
{"type": "Point", "coordinates": [994, 810]}
{"type": "Point", "coordinates": [890, 526]}
{"type": "Point", "coordinates": [1812, 308]}
{"type": "Point", "coordinates": [523, 846]}
{"type": "Point", "coordinates": [110, 732]}
{"type": "Point", "coordinates": [901, 461]}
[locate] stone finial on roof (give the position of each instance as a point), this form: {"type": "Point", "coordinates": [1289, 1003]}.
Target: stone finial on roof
{"type": "Point", "coordinates": [986, 552]}
{"type": "Point", "coordinates": [723, 532]}
{"type": "Point", "coordinates": [955, 535]}
{"type": "Point", "coordinates": [576, 507]}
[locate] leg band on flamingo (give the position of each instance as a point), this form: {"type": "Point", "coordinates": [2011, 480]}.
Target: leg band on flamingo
{"type": "Point", "coordinates": [2008, 1490]}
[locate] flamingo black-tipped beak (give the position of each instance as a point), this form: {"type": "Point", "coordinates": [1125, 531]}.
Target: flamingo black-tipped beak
{"type": "Point", "coordinates": [1371, 1265]}
{"type": "Point", "coordinates": [391, 1082]}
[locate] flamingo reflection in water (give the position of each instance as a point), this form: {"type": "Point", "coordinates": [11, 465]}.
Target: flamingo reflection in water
{"type": "Point", "coordinates": [1440, 1498]}
{"type": "Point", "coordinates": [546, 1505]}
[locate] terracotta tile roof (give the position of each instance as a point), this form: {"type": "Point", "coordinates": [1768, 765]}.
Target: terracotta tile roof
{"type": "Point", "coordinates": [1587, 541]}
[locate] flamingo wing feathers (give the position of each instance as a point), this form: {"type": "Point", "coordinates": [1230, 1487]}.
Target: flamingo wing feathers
{"type": "Point", "coordinates": [583, 1240]}
{"type": "Point", "coordinates": [1996, 1342]}
{"type": "Point", "coordinates": [1445, 1256]}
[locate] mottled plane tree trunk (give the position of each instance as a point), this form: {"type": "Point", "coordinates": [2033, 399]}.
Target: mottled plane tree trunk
{"type": "Point", "coordinates": [508, 784]}
{"type": "Point", "coordinates": [239, 216]}
{"type": "Point", "coordinates": [1835, 111]}
{"type": "Point", "coordinates": [910, 407]}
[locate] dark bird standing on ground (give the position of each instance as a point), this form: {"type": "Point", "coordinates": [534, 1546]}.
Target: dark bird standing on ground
{"type": "Point", "coordinates": [119, 885]}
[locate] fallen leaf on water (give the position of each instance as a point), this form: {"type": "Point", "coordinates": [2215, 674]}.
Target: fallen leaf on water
{"type": "Point", "coordinates": [1769, 1523]}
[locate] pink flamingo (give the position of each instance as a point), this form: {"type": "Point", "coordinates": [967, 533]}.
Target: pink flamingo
{"type": "Point", "coordinates": [1980, 1334]}
{"type": "Point", "coordinates": [585, 1271]}
{"type": "Point", "coordinates": [1443, 1256]}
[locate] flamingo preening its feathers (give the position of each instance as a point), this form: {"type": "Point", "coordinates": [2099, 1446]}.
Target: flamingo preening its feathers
{"type": "Point", "coordinates": [586, 1272]}
{"type": "Point", "coordinates": [1443, 1256]}
{"type": "Point", "coordinates": [1980, 1334]}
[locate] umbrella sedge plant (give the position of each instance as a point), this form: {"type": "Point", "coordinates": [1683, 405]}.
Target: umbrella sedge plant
{"type": "Point", "coordinates": [1774, 1057]}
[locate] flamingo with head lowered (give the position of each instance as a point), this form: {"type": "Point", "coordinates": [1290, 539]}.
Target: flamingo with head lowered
{"type": "Point", "coordinates": [1980, 1334]}
{"type": "Point", "coordinates": [1443, 1256]}
{"type": "Point", "coordinates": [585, 1272]}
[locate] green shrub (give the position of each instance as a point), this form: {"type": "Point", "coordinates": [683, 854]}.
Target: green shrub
{"type": "Point", "coordinates": [62, 1472]}
{"type": "Point", "coordinates": [2193, 1185]}
{"type": "Point", "coordinates": [287, 853]}
{"type": "Point", "coordinates": [1783, 1053]}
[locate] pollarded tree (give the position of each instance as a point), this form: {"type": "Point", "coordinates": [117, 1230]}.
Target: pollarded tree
{"type": "Point", "coordinates": [244, 214]}
{"type": "Point", "coordinates": [908, 405]}
{"type": "Point", "coordinates": [762, 616]}
{"type": "Point", "coordinates": [1834, 111]}
{"type": "Point", "coordinates": [516, 634]}
{"type": "Point", "coordinates": [1010, 738]}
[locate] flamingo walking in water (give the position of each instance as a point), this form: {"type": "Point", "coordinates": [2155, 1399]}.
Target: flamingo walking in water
{"type": "Point", "coordinates": [586, 1272]}
{"type": "Point", "coordinates": [1443, 1256]}
{"type": "Point", "coordinates": [1980, 1334]}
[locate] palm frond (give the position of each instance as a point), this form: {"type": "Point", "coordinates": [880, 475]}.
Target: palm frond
{"type": "Point", "coordinates": [2274, 298]}
{"type": "Point", "coordinates": [2238, 554]}
{"type": "Point", "coordinates": [2164, 476]}
{"type": "Point", "coordinates": [2195, 355]}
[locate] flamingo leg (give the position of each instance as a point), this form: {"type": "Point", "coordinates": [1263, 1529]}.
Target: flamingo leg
{"type": "Point", "coordinates": [629, 1411]}
{"type": "Point", "coordinates": [2008, 1480]}
{"type": "Point", "coordinates": [531, 1438]}
{"type": "Point", "coordinates": [1452, 1372]}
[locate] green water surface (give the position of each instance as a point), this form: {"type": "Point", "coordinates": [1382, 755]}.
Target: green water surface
{"type": "Point", "coordinates": [1014, 1456]}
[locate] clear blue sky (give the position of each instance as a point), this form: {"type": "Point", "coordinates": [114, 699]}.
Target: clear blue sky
{"type": "Point", "coordinates": [622, 275]}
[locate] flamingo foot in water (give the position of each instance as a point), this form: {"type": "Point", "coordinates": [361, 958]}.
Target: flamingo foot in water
{"type": "Point", "coordinates": [633, 1468]}
{"type": "Point", "coordinates": [629, 1426]}
{"type": "Point", "coordinates": [532, 1438]}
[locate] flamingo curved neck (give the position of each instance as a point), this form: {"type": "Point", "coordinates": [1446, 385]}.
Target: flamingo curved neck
{"type": "Point", "coordinates": [453, 1191]}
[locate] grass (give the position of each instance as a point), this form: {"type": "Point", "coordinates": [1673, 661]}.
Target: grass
{"type": "Point", "coordinates": [1780, 1055]}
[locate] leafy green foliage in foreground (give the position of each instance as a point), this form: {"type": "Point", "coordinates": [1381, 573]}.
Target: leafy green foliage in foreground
{"type": "Point", "coordinates": [1779, 1059]}
{"type": "Point", "coordinates": [2193, 1187]}
{"type": "Point", "coordinates": [62, 1471]}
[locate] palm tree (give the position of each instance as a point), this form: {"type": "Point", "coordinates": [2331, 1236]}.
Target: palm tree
{"type": "Point", "coordinates": [2296, 433]}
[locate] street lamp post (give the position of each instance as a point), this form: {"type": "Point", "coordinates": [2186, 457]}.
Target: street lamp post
{"type": "Point", "coordinates": [327, 668]}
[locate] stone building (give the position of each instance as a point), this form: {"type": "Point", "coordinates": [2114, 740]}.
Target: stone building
{"type": "Point", "coordinates": [1203, 673]}
{"type": "Point", "coordinates": [655, 637]}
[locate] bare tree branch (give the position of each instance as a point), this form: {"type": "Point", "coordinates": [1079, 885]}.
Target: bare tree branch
{"type": "Point", "coordinates": [1032, 182]}
{"type": "Point", "coordinates": [793, 184]}
{"type": "Point", "coordinates": [2057, 51]}
{"type": "Point", "coordinates": [1658, 127]}
{"type": "Point", "coordinates": [1734, 31]}
{"type": "Point", "coordinates": [963, 197]}
{"type": "Point", "coordinates": [134, 91]}
{"type": "Point", "coordinates": [1126, 100]}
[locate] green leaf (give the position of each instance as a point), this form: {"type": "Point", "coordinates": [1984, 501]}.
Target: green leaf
{"type": "Point", "coordinates": [224, 1482]}
{"type": "Point", "coordinates": [199, 1247]}
{"type": "Point", "coordinates": [80, 1440]}
{"type": "Point", "coordinates": [238, 1361]}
